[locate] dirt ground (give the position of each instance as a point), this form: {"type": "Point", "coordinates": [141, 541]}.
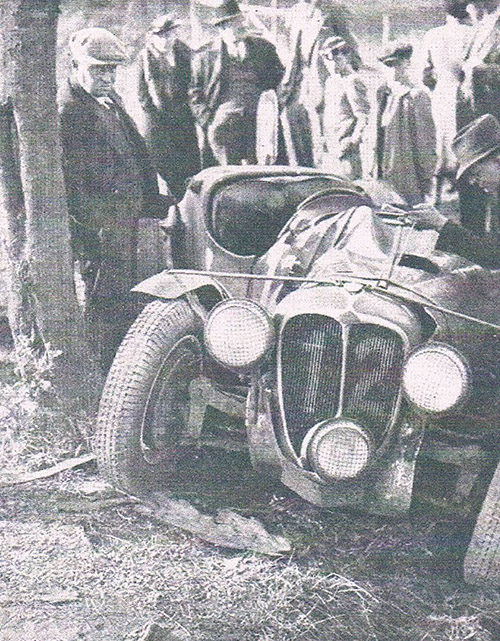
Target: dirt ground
{"type": "Point", "coordinates": [79, 563]}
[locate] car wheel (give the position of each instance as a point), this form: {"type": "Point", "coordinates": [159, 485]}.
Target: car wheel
{"type": "Point", "coordinates": [144, 407]}
{"type": "Point", "coordinates": [482, 559]}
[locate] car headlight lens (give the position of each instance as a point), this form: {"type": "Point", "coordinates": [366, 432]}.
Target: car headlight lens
{"type": "Point", "coordinates": [436, 378]}
{"type": "Point", "coordinates": [339, 450]}
{"type": "Point", "coordinates": [238, 333]}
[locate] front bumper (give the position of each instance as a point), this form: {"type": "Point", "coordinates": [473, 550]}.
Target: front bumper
{"type": "Point", "coordinates": [385, 487]}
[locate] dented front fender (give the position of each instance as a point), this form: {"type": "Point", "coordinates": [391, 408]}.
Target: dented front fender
{"type": "Point", "coordinates": [170, 285]}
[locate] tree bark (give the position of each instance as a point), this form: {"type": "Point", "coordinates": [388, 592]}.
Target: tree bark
{"type": "Point", "coordinates": [29, 29]}
{"type": "Point", "coordinates": [11, 194]}
{"type": "Point", "coordinates": [13, 240]}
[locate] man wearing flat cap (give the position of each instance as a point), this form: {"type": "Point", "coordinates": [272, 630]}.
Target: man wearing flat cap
{"type": "Point", "coordinates": [406, 141]}
{"type": "Point", "coordinates": [169, 128]}
{"type": "Point", "coordinates": [110, 184]}
{"type": "Point", "coordinates": [228, 78]}
{"type": "Point", "coordinates": [346, 108]}
{"type": "Point", "coordinates": [477, 149]}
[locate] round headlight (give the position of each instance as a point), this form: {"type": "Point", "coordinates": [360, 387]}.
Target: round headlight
{"type": "Point", "coordinates": [238, 333]}
{"type": "Point", "coordinates": [339, 450]}
{"type": "Point", "coordinates": [436, 378]}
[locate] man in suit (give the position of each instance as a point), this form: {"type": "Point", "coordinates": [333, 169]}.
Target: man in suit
{"type": "Point", "coordinates": [477, 149]}
{"type": "Point", "coordinates": [169, 129]}
{"type": "Point", "coordinates": [228, 77]}
{"type": "Point", "coordinates": [110, 184]}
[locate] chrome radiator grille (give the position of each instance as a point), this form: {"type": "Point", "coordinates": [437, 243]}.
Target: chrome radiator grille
{"type": "Point", "coordinates": [324, 365]}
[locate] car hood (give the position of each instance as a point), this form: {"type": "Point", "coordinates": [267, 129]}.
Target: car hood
{"type": "Point", "coordinates": [361, 245]}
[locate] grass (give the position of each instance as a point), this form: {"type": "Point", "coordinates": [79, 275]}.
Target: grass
{"type": "Point", "coordinates": [34, 430]}
{"type": "Point", "coordinates": [349, 577]}
{"type": "Point", "coordinates": [103, 573]}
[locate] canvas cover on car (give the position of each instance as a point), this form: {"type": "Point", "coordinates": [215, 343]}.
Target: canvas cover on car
{"type": "Point", "coordinates": [356, 241]}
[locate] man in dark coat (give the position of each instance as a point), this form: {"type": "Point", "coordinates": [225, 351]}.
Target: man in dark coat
{"type": "Point", "coordinates": [228, 78]}
{"type": "Point", "coordinates": [169, 131]}
{"type": "Point", "coordinates": [477, 149]}
{"type": "Point", "coordinates": [479, 94]}
{"type": "Point", "coordinates": [406, 142]}
{"type": "Point", "coordinates": [110, 184]}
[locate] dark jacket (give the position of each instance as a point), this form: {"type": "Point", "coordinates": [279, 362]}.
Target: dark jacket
{"type": "Point", "coordinates": [406, 142]}
{"type": "Point", "coordinates": [169, 124]}
{"type": "Point", "coordinates": [486, 83]}
{"type": "Point", "coordinates": [208, 64]}
{"type": "Point", "coordinates": [110, 184]}
{"type": "Point", "coordinates": [455, 239]}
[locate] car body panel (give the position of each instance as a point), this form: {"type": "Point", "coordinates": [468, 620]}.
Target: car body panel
{"type": "Point", "coordinates": [170, 285]}
{"type": "Point", "coordinates": [336, 258]}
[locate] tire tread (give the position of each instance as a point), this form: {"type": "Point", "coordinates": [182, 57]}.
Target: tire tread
{"type": "Point", "coordinates": [482, 559]}
{"type": "Point", "coordinates": [127, 385]}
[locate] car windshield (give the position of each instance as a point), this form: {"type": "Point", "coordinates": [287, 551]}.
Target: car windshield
{"type": "Point", "coordinates": [247, 215]}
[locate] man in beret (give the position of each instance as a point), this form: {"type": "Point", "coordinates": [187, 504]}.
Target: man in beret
{"type": "Point", "coordinates": [477, 149]}
{"type": "Point", "coordinates": [110, 184]}
{"type": "Point", "coordinates": [228, 77]}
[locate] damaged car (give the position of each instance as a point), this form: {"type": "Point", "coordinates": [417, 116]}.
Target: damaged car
{"type": "Point", "coordinates": [355, 352]}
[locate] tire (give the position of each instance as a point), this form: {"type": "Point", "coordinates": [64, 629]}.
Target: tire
{"type": "Point", "coordinates": [482, 559]}
{"type": "Point", "coordinates": [145, 402]}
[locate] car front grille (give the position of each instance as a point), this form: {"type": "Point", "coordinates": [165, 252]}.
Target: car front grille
{"type": "Point", "coordinates": [328, 370]}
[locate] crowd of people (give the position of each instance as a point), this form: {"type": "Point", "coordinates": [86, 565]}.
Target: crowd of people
{"type": "Point", "coordinates": [309, 106]}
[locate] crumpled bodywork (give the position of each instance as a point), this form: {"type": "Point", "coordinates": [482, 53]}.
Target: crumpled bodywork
{"type": "Point", "coordinates": [352, 292]}
{"type": "Point", "coordinates": [332, 246]}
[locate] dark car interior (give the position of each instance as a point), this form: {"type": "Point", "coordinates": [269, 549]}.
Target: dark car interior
{"type": "Point", "coordinates": [246, 216]}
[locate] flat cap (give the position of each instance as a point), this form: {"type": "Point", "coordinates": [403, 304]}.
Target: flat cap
{"type": "Point", "coordinates": [164, 23]}
{"type": "Point", "coordinates": [97, 46]}
{"type": "Point", "coordinates": [396, 51]}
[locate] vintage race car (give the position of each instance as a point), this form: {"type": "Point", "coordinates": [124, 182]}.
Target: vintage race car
{"type": "Point", "coordinates": [359, 357]}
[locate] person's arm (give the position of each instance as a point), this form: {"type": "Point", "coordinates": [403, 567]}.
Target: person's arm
{"type": "Point", "coordinates": [272, 69]}
{"type": "Point", "coordinates": [427, 70]}
{"type": "Point", "coordinates": [358, 98]}
{"type": "Point", "coordinates": [424, 146]}
{"type": "Point", "coordinates": [197, 98]}
{"type": "Point", "coordinates": [356, 95]}
{"type": "Point", "coordinates": [455, 239]}
{"type": "Point", "coordinates": [75, 137]}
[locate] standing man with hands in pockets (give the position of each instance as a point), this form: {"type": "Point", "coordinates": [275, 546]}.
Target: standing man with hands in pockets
{"type": "Point", "coordinates": [110, 184]}
{"type": "Point", "coordinates": [228, 77]}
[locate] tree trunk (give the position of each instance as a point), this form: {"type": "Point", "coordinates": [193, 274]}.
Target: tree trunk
{"type": "Point", "coordinates": [11, 195]}
{"type": "Point", "coordinates": [13, 241]}
{"type": "Point", "coordinates": [29, 63]}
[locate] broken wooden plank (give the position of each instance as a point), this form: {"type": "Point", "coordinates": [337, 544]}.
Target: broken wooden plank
{"type": "Point", "coordinates": [225, 529]}
{"type": "Point", "coordinates": [62, 466]}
